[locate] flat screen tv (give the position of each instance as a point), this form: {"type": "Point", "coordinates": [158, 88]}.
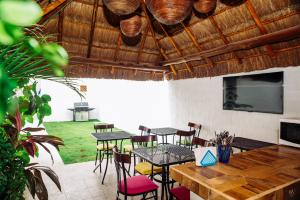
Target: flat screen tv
{"type": "Point", "coordinates": [254, 93]}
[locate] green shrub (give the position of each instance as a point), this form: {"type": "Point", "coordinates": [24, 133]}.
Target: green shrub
{"type": "Point", "coordinates": [12, 175]}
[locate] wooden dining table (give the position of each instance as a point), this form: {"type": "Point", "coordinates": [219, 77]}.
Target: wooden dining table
{"type": "Point", "coordinates": [268, 173]}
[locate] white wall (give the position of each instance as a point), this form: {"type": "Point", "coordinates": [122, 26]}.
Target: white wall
{"type": "Point", "coordinates": [127, 104]}
{"type": "Point", "coordinates": [200, 100]}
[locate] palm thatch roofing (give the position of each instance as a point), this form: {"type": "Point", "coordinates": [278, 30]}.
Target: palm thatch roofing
{"type": "Point", "coordinates": [91, 35]}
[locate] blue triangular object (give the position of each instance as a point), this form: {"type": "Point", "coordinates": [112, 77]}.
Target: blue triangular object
{"type": "Point", "coordinates": [208, 159]}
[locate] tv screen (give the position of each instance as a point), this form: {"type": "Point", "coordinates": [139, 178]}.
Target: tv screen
{"type": "Point", "coordinates": [254, 93]}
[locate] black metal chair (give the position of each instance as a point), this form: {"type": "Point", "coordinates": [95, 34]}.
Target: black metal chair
{"type": "Point", "coordinates": [196, 127]}
{"type": "Point", "coordinates": [143, 167]}
{"type": "Point", "coordinates": [144, 132]}
{"type": "Point", "coordinates": [192, 126]}
{"type": "Point", "coordinates": [185, 138]}
{"type": "Point", "coordinates": [103, 146]}
{"type": "Point", "coordinates": [131, 185]}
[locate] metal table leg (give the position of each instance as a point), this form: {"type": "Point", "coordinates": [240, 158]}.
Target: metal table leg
{"type": "Point", "coordinates": [164, 189]}
{"type": "Point", "coordinates": [168, 180]}
{"type": "Point", "coordinates": [107, 157]}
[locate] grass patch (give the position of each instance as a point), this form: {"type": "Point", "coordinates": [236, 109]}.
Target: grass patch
{"type": "Point", "coordinates": [80, 146]}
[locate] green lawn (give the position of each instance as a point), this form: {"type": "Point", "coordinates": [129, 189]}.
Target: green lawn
{"type": "Point", "coordinates": [80, 146]}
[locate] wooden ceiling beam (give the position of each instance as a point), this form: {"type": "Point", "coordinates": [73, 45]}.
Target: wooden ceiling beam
{"type": "Point", "coordinates": [92, 30]}
{"type": "Point", "coordinates": [248, 28]}
{"type": "Point", "coordinates": [270, 38]}
{"type": "Point", "coordinates": [103, 46]}
{"type": "Point", "coordinates": [105, 27]}
{"type": "Point", "coordinates": [143, 42]}
{"type": "Point", "coordinates": [223, 37]}
{"type": "Point", "coordinates": [162, 52]}
{"type": "Point", "coordinates": [117, 50]}
{"type": "Point", "coordinates": [259, 24]}
{"type": "Point", "coordinates": [124, 65]}
{"type": "Point", "coordinates": [60, 27]}
{"type": "Point", "coordinates": [196, 43]}
{"type": "Point", "coordinates": [171, 40]}
{"type": "Point", "coordinates": [53, 9]}
{"type": "Point", "coordinates": [118, 46]}
{"type": "Point", "coordinates": [264, 53]}
{"type": "Point", "coordinates": [198, 21]}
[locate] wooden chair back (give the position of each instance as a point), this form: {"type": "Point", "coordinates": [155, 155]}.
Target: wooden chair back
{"type": "Point", "coordinates": [144, 130]}
{"type": "Point", "coordinates": [121, 169]}
{"type": "Point", "coordinates": [103, 127]}
{"type": "Point", "coordinates": [201, 142]}
{"type": "Point", "coordinates": [143, 141]}
{"type": "Point", "coordinates": [187, 137]}
{"type": "Point", "coordinates": [194, 126]}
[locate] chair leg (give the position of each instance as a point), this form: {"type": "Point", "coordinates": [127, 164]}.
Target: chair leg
{"type": "Point", "coordinates": [144, 196]}
{"type": "Point", "coordinates": [171, 196]}
{"type": "Point", "coordinates": [155, 197]}
{"type": "Point", "coordinates": [117, 198]}
{"type": "Point", "coordinates": [96, 158]}
{"type": "Point", "coordinates": [110, 158]}
{"type": "Point", "coordinates": [100, 160]}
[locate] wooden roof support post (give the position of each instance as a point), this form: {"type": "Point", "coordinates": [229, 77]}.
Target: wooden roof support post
{"type": "Point", "coordinates": [60, 26]}
{"type": "Point", "coordinates": [214, 23]}
{"type": "Point", "coordinates": [197, 45]}
{"type": "Point", "coordinates": [259, 25]}
{"type": "Point", "coordinates": [92, 31]}
{"type": "Point", "coordinates": [143, 42]}
{"type": "Point", "coordinates": [188, 67]}
{"type": "Point", "coordinates": [162, 53]}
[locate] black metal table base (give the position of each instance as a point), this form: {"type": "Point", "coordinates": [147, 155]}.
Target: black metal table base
{"type": "Point", "coordinates": [107, 153]}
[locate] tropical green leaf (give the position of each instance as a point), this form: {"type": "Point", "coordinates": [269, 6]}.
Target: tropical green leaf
{"type": "Point", "coordinates": [6, 91]}
{"type": "Point", "coordinates": [55, 54]}
{"type": "Point", "coordinates": [20, 13]}
{"type": "Point", "coordinates": [9, 33]}
{"type": "Point", "coordinates": [46, 98]}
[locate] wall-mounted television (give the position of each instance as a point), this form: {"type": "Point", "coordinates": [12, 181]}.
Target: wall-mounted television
{"type": "Point", "coordinates": [254, 93]}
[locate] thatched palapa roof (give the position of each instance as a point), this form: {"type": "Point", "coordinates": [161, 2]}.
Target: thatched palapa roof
{"type": "Point", "coordinates": [230, 39]}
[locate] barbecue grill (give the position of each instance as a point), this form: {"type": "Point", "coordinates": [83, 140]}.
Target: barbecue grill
{"type": "Point", "coordinates": [81, 111]}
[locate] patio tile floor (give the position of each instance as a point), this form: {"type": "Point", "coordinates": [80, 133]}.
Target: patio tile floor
{"type": "Point", "coordinates": [78, 181]}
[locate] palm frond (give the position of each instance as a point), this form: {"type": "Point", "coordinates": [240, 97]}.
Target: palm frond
{"type": "Point", "coordinates": [21, 61]}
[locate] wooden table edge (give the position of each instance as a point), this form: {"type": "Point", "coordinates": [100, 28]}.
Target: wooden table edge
{"type": "Point", "coordinates": [208, 187]}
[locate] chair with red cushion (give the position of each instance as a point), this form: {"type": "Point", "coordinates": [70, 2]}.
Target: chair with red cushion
{"type": "Point", "coordinates": [180, 193]}
{"type": "Point", "coordinates": [131, 185]}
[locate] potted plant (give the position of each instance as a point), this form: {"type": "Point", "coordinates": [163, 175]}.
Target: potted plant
{"type": "Point", "coordinates": [223, 141]}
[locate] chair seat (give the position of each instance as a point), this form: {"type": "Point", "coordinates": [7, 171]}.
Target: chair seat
{"type": "Point", "coordinates": [138, 185]}
{"type": "Point", "coordinates": [145, 168]}
{"type": "Point", "coordinates": [181, 193]}
{"type": "Point", "coordinates": [127, 148]}
{"type": "Point", "coordinates": [102, 147]}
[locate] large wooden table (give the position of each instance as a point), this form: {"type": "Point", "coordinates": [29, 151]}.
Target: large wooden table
{"type": "Point", "coordinates": [267, 173]}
